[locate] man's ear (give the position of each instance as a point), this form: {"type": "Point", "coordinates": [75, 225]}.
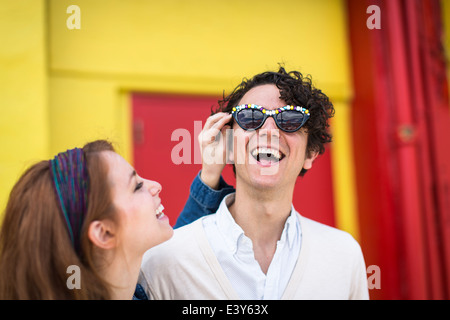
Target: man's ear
{"type": "Point", "coordinates": [102, 234]}
{"type": "Point", "coordinates": [310, 159]}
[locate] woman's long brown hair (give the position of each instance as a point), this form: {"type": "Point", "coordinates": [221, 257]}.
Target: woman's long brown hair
{"type": "Point", "coordinates": [35, 249]}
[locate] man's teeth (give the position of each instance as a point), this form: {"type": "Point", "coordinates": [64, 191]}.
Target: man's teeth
{"type": "Point", "coordinates": [159, 212]}
{"type": "Point", "coordinates": [266, 151]}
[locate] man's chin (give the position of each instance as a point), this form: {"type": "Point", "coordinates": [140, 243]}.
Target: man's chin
{"type": "Point", "coordinates": [265, 177]}
{"type": "Point", "coordinates": [265, 167]}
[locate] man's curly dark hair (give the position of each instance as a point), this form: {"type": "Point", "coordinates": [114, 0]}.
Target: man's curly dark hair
{"type": "Point", "coordinates": [294, 90]}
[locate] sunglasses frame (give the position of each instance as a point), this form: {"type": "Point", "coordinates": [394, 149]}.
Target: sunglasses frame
{"type": "Point", "coordinates": [270, 113]}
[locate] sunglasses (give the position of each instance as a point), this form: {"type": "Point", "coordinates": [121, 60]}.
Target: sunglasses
{"type": "Point", "coordinates": [287, 118]}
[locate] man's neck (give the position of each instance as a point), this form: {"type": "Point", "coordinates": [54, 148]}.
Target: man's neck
{"type": "Point", "coordinates": [262, 217]}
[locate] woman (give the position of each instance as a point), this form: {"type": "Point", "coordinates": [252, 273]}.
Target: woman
{"type": "Point", "coordinates": [85, 208]}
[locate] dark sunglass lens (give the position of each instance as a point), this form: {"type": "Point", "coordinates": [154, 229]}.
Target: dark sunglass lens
{"type": "Point", "coordinates": [250, 119]}
{"type": "Point", "coordinates": [290, 120]}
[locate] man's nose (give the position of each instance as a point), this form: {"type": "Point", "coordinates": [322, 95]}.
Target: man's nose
{"type": "Point", "coordinates": [269, 124]}
{"type": "Point", "coordinates": [269, 133]}
{"type": "Point", "coordinates": [269, 128]}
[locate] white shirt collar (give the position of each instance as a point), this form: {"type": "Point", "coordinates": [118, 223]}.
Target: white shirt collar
{"type": "Point", "coordinates": [234, 235]}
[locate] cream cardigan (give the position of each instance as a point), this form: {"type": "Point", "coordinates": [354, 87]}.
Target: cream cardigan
{"type": "Point", "coordinates": [330, 266]}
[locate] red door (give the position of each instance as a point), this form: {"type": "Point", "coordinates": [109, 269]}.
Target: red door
{"type": "Point", "coordinates": [162, 124]}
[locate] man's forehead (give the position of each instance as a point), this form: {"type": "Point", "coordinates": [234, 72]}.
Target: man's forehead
{"type": "Point", "coordinates": [267, 96]}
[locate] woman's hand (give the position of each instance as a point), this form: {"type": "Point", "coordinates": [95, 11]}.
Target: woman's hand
{"type": "Point", "coordinates": [213, 148]}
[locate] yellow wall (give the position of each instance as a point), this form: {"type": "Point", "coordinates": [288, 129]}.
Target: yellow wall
{"type": "Point", "coordinates": [344, 188]}
{"type": "Point", "coordinates": [24, 121]}
{"type": "Point", "coordinates": [179, 46]}
{"type": "Point", "coordinates": [198, 46]}
{"type": "Point", "coordinates": [208, 42]}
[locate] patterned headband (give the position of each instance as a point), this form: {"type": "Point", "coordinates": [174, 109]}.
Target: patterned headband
{"type": "Point", "coordinates": [71, 182]}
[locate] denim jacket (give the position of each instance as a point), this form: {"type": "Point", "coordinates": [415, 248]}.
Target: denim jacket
{"type": "Point", "coordinates": [202, 201]}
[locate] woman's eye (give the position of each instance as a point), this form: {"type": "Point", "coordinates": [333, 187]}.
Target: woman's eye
{"type": "Point", "coordinates": [139, 186]}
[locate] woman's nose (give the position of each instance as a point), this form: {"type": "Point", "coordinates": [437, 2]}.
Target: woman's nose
{"type": "Point", "coordinates": [154, 187]}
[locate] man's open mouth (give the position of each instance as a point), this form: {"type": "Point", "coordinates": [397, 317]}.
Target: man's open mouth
{"type": "Point", "coordinates": [265, 155]}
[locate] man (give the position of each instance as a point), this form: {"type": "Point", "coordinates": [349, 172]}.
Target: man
{"type": "Point", "coordinates": [256, 246]}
